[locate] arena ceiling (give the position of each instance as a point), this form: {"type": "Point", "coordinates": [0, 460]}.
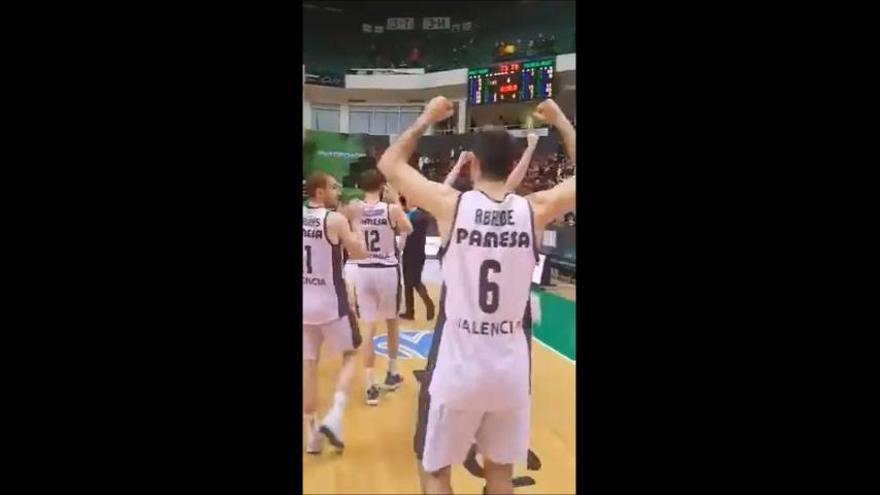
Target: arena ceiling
{"type": "Point", "coordinates": [402, 8]}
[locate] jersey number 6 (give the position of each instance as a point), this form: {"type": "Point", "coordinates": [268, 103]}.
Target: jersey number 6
{"type": "Point", "coordinates": [487, 287]}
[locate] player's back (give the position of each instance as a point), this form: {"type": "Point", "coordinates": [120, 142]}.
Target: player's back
{"type": "Point", "coordinates": [483, 358]}
{"type": "Point", "coordinates": [379, 235]}
{"type": "Point", "coordinates": [324, 296]}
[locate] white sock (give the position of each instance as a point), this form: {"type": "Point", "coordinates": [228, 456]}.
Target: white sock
{"type": "Point", "coordinates": [369, 375]}
{"type": "Point", "coordinates": [392, 366]}
{"type": "Point", "coordinates": [339, 399]}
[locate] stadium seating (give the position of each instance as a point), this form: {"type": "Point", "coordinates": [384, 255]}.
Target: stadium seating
{"type": "Point", "coordinates": [334, 44]}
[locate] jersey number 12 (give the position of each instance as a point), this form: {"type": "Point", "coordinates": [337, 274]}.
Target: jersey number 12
{"type": "Point", "coordinates": [371, 243]}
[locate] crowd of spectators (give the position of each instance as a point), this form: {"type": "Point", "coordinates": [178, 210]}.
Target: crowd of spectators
{"type": "Point", "coordinates": [392, 56]}
{"type": "Point", "coordinates": [509, 50]}
{"type": "Point", "coordinates": [388, 53]}
{"type": "Point", "coordinates": [357, 36]}
{"type": "Point", "coordinates": [546, 173]}
{"type": "Point", "coordinates": [543, 173]}
{"type": "Point", "coordinates": [461, 50]}
{"type": "Point", "coordinates": [452, 51]}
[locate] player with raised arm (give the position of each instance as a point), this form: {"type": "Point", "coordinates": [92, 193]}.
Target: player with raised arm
{"type": "Point", "coordinates": [477, 382]}
{"type": "Point", "coordinates": [516, 175]}
{"type": "Point", "coordinates": [327, 317]}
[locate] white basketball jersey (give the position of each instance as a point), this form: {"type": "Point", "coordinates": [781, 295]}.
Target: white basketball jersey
{"type": "Point", "coordinates": [483, 357]}
{"type": "Point", "coordinates": [324, 297]}
{"type": "Point", "coordinates": [378, 235]}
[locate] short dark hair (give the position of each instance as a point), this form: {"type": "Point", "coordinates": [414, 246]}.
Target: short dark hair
{"type": "Point", "coordinates": [371, 180]}
{"type": "Point", "coordinates": [494, 147]}
{"type": "Point", "coordinates": [318, 180]}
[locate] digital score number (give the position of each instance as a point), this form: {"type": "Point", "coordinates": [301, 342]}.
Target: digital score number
{"type": "Point", "coordinates": [511, 82]}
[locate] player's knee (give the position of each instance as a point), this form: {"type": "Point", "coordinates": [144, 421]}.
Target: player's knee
{"type": "Point", "coordinates": [439, 474]}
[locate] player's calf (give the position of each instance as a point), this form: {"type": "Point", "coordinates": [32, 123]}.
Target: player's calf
{"type": "Point", "coordinates": [393, 380]}
{"type": "Point", "coordinates": [439, 481]}
{"type": "Point", "coordinates": [499, 477]}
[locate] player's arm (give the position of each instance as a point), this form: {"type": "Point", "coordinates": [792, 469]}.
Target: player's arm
{"type": "Point", "coordinates": [401, 222]}
{"type": "Point", "coordinates": [519, 172]}
{"type": "Point", "coordinates": [438, 199]}
{"type": "Point", "coordinates": [553, 202]}
{"type": "Point", "coordinates": [348, 210]}
{"type": "Point", "coordinates": [549, 112]}
{"type": "Point", "coordinates": [453, 174]}
{"type": "Point", "coordinates": [399, 219]}
{"type": "Point", "coordinates": [350, 236]}
{"type": "Point", "coordinates": [401, 243]}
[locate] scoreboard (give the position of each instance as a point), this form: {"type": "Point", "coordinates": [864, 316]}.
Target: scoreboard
{"type": "Point", "coordinates": [511, 82]}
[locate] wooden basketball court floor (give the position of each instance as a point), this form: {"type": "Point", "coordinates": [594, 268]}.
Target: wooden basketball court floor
{"type": "Point", "coordinates": [378, 456]}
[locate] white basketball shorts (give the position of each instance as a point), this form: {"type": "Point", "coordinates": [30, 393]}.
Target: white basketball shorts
{"type": "Point", "coordinates": [377, 292]}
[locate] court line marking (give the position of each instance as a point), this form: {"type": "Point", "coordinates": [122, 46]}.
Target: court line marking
{"type": "Point", "coordinates": [563, 356]}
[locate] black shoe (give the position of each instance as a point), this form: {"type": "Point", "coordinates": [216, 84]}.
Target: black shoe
{"type": "Point", "coordinates": [392, 382]}
{"type": "Point", "coordinates": [430, 313]}
{"type": "Point", "coordinates": [406, 316]}
{"type": "Point", "coordinates": [373, 395]}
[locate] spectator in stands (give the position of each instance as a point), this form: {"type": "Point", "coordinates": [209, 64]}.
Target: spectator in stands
{"type": "Point", "coordinates": [499, 50]}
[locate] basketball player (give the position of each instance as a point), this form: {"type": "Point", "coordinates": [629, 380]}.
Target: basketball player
{"type": "Point", "coordinates": [479, 365]}
{"type": "Point", "coordinates": [516, 175]}
{"type": "Point", "coordinates": [377, 285]}
{"type": "Point", "coordinates": [327, 317]}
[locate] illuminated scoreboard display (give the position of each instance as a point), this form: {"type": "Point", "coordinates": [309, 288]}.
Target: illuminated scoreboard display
{"type": "Point", "coordinates": [511, 82]}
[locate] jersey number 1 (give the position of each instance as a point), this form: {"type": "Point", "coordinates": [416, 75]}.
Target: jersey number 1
{"type": "Point", "coordinates": [308, 258]}
{"type": "Point", "coordinates": [487, 287]}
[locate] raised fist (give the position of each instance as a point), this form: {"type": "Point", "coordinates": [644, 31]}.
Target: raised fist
{"type": "Point", "coordinates": [549, 112]}
{"type": "Point", "coordinates": [438, 109]}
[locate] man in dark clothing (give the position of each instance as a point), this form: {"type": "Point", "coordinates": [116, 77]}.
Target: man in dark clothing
{"type": "Point", "coordinates": [414, 261]}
